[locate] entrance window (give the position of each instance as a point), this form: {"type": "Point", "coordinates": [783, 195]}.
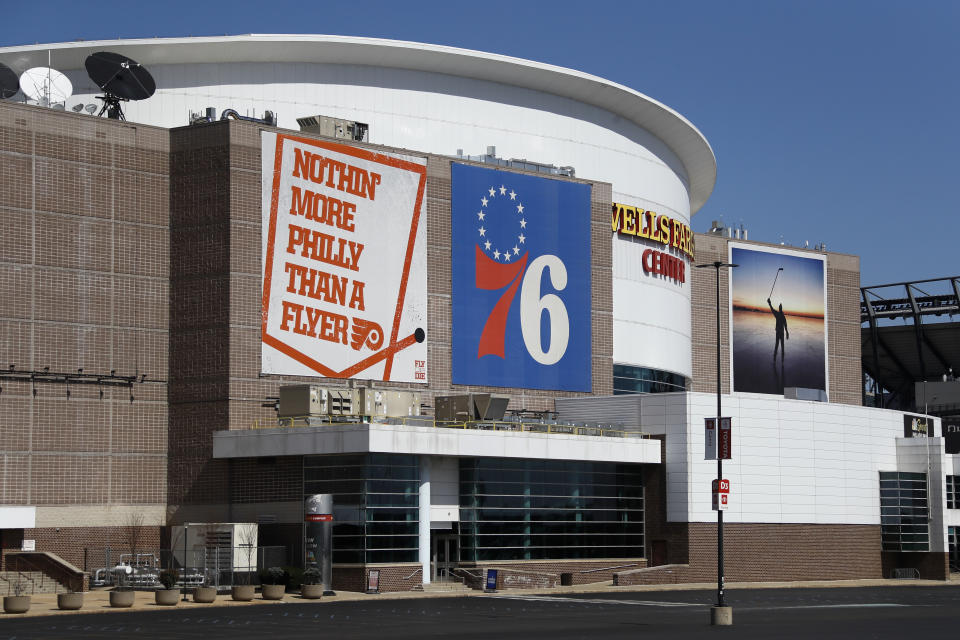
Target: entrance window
{"type": "Point", "coordinates": [904, 512]}
{"type": "Point", "coordinates": [376, 500]}
{"type": "Point", "coordinates": [514, 509]}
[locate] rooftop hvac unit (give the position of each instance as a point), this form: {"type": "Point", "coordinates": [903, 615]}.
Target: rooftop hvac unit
{"type": "Point", "coordinates": [311, 400]}
{"type": "Point", "coordinates": [392, 404]}
{"type": "Point", "coordinates": [334, 128]}
{"type": "Point", "coordinates": [471, 406]}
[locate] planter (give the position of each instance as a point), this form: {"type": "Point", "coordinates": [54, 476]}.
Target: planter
{"type": "Point", "coordinates": [16, 604]}
{"type": "Point", "coordinates": [69, 601]}
{"type": "Point", "coordinates": [166, 597]}
{"type": "Point", "coordinates": [205, 594]}
{"type": "Point", "coordinates": [273, 591]}
{"type": "Point", "coordinates": [311, 591]}
{"type": "Point", "coordinates": [242, 592]}
{"type": "Point", "coordinates": [122, 599]}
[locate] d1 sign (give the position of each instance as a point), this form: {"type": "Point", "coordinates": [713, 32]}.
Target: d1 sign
{"type": "Point", "coordinates": [520, 278]}
{"type": "Point", "coordinates": [344, 261]}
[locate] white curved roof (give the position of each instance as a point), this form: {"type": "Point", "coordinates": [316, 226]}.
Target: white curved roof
{"type": "Point", "coordinates": [684, 139]}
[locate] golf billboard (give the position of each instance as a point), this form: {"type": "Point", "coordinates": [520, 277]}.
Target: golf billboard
{"type": "Point", "coordinates": [778, 319]}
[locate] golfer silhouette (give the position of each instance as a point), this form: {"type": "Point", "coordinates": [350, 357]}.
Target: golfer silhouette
{"type": "Point", "coordinates": [781, 330]}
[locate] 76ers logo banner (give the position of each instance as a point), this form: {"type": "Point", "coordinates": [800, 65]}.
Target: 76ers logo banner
{"type": "Point", "coordinates": [520, 280]}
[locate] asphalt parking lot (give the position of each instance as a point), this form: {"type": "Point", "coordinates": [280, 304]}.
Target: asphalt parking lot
{"type": "Point", "coordinates": [821, 612]}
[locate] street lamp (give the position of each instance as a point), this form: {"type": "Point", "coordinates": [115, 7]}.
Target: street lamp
{"type": "Point", "coordinates": [184, 561]}
{"type": "Point", "coordinates": [718, 617]}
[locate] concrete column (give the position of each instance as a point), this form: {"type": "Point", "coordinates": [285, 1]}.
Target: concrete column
{"type": "Point", "coordinates": [425, 517]}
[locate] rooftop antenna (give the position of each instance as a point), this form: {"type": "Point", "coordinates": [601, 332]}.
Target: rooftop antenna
{"type": "Point", "coordinates": [121, 79]}
{"type": "Point", "coordinates": [46, 86]}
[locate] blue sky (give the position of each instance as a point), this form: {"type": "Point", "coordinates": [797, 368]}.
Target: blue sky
{"type": "Point", "coordinates": [833, 122]}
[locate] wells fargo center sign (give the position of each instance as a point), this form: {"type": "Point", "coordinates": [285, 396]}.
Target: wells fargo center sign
{"type": "Point", "coordinates": [657, 229]}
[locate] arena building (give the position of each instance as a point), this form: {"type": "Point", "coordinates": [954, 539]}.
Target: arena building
{"type": "Point", "coordinates": [169, 275]}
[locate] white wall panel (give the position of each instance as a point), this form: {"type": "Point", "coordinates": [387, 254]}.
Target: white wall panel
{"type": "Point", "coordinates": [794, 461]}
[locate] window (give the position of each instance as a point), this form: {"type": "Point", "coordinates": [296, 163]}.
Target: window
{"type": "Point", "coordinates": [953, 545]}
{"type": "Point", "coordinates": [547, 509]}
{"type": "Point", "coordinates": [376, 501]}
{"type": "Point", "coordinates": [627, 379]}
{"type": "Point", "coordinates": [903, 512]}
{"type": "Point", "coordinates": [953, 492]}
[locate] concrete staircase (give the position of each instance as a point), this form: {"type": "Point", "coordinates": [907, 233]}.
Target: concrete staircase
{"type": "Point", "coordinates": [452, 588]}
{"type": "Point", "coordinates": [33, 582]}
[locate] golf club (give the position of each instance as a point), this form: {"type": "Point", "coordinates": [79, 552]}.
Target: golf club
{"type": "Point", "coordinates": [775, 281]}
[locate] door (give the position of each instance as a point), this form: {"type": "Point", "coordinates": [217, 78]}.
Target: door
{"type": "Point", "coordinates": [446, 555]}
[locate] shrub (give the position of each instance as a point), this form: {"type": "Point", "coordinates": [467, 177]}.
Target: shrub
{"type": "Point", "coordinates": [312, 576]}
{"type": "Point", "coordinates": [169, 577]}
{"type": "Point", "coordinates": [294, 578]}
{"type": "Point", "coordinates": [273, 575]}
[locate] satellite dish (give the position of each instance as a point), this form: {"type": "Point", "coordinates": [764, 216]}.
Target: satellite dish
{"type": "Point", "coordinates": [90, 108]}
{"type": "Point", "coordinates": [121, 79]}
{"type": "Point", "coordinates": [46, 86]}
{"type": "Point", "coordinates": [9, 84]}
{"type": "Point", "coordinates": [77, 108]}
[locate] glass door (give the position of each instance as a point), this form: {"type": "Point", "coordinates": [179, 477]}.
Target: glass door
{"type": "Point", "coordinates": [446, 555]}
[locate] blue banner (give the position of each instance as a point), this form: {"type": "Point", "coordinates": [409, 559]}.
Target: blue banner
{"type": "Point", "coordinates": [520, 289]}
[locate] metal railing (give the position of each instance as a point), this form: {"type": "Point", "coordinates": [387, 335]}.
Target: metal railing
{"type": "Point", "coordinates": [22, 567]}
{"type": "Point", "coordinates": [214, 566]}
{"type": "Point", "coordinates": [598, 430]}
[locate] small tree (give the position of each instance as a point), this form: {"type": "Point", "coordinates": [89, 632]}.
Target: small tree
{"type": "Point", "coordinates": [134, 531]}
{"type": "Point", "coordinates": [248, 544]}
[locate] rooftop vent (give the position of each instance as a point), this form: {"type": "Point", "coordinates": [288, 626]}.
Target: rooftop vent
{"type": "Point", "coordinates": [335, 128]}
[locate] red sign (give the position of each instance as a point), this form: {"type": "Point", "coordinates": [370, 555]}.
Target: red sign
{"type": "Point", "coordinates": [721, 494]}
{"type": "Point", "coordinates": [664, 264]}
{"type": "Point", "coordinates": [726, 439]}
{"type": "Point", "coordinates": [319, 517]}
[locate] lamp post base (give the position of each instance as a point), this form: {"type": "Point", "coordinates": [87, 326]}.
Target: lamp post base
{"type": "Point", "coordinates": [721, 616]}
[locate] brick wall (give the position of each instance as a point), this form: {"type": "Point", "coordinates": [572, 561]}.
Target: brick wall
{"type": "Point", "coordinates": [673, 538]}
{"type": "Point", "coordinates": [772, 552]}
{"type": "Point", "coordinates": [843, 321]}
{"type": "Point", "coordinates": [533, 573]}
{"type": "Point", "coordinates": [929, 565]}
{"type": "Point", "coordinates": [83, 279]}
{"type": "Point", "coordinates": [199, 312]}
{"type": "Point", "coordinates": [266, 479]}
{"type": "Point", "coordinates": [84, 547]}
{"type": "Point", "coordinates": [399, 577]}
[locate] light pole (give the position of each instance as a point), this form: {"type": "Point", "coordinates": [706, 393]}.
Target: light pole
{"type": "Point", "coordinates": [184, 561]}
{"type": "Point", "coordinates": [718, 618]}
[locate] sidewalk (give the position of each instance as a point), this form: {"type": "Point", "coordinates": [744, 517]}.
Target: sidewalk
{"type": "Point", "coordinates": [98, 601]}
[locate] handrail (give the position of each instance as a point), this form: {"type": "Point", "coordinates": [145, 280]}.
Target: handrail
{"type": "Point", "coordinates": [622, 566]}
{"type": "Point", "coordinates": [427, 421]}
{"type": "Point", "coordinates": [49, 566]}
{"type": "Point", "coordinates": [21, 577]}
